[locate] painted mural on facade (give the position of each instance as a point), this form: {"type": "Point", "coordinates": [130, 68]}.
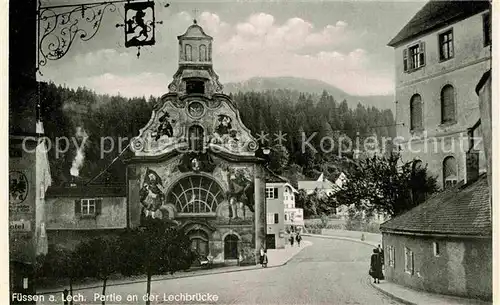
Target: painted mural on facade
{"type": "Point", "coordinates": [213, 124]}
{"type": "Point", "coordinates": [197, 184]}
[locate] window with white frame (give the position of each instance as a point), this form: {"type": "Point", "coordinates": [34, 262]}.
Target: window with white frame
{"type": "Point", "coordinates": [88, 206]}
{"type": "Point", "coordinates": [414, 57]}
{"type": "Point", "coordinates": [270, 218]}
{"type": "Point", "coordinates": [436, 250]}
{"type": "Point", "coordinates": [409, 260]}
{"type": "Point", "coordinates": [391, 255]}
{"type": "Point", "coordinates": [271, 193]}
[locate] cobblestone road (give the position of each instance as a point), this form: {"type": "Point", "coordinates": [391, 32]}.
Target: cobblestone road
{"type": "Point", "coordinates": [328, 272]}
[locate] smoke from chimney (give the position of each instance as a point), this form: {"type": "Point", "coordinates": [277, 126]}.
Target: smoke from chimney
{"type": "Point", "coordinates": [80, 152]}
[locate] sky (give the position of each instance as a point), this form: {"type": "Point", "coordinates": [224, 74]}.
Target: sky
{"type": "Point", "coordinates": [343, 43]}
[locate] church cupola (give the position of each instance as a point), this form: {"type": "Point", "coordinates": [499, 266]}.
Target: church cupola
{"type": "Point", "coordinates": [195, 47]}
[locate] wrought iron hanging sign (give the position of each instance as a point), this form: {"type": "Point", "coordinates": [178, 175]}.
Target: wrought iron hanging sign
{"type": "Point", "coordinates": [59, 26]}
{"type": "Point", "coordinates": [139, 24]}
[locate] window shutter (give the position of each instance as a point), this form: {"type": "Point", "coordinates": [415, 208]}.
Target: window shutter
{"type": "Point", "coordinates": [78, 207]}
{"type": "Point", "coordinates": [276, 193]}
{"type": "Point", "coordinates": [421, 49]}
{"type": "Point", "coordinates": [405, 60]}
{"type": "Point", "coordinates": [98, 206]}
{"type": "Point", "coordinates": [412, 263]}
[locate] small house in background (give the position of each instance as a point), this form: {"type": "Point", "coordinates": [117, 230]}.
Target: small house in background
{"type": "Point", "coordinates": [323, 186]}
{"type": "Point", "coordinates": [294, 217]}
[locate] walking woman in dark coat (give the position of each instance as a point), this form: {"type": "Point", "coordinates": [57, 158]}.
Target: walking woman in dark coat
{"type": "Point", "coordinates": [376, 267]}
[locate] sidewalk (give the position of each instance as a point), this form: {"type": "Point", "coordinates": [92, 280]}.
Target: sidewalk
{"type": "Point", "coordinates": [413, 297]}
{"type": "Point", "coordinates": [366, 242]}
{"type": "Point", "coordinates": [276, 257]}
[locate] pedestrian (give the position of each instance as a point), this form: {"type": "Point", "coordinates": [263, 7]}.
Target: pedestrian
{"type": "Point", "coordinates": [264, 259]}
{"type": "Point", "coordinates": [381, 253]}
{"type": "Point", "coordinates": [298, 238]}
{"type": "Point", "coordinates": [291, 239]}
{"type": "Point", "coordinates": [262, 252]}
{"type": "Point", "coordinates": [376, 267]}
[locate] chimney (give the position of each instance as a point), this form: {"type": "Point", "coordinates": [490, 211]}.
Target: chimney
{"type": "Point", "coordinates": [73, 183]}
{"type": "Point", "coordinates": [472, 156]}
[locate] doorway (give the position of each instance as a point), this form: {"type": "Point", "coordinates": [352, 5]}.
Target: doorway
{"type": "Point", "coordinates": [271, 241]}
{"type": "Point", "coordinates": [231, 247]}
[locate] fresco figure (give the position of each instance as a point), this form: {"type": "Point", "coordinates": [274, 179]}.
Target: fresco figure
{"type": "Point", "coordinates": [241, 191]}
{"type": "Point", "coordinates": [165, 127]}
{"type": "Point", "coordinates": [152, 195]}
{"type": "Point", "coordinates": [224, 131]}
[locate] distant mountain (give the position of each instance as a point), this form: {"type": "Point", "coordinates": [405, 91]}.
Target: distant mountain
{"type": "Point", "coordinates": [313, 86]}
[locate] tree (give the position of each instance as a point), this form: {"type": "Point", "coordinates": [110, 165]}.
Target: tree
{"type": "Point", "coordinates": [100, 257]}
{"type": "Point", "coordinates": [65, 263]}
{"type": "Point", "coordinates": [278, 158]}
{"type": "Point", "coordinates": [378, 184]}
{"type": "Point", "coordinates": [158, 248]}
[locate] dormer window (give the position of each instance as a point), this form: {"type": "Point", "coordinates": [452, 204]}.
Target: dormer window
{"type": "Point", "coordinates": [195, 86]}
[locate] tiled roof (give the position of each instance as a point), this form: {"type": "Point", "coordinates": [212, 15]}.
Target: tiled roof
{"type": "Point", "coordinates": [87, 191]}
{"type": "Point", "coordinates": [436, 14]}
{"type": "Point", "coordinates": [462, 210]}
{"type": "Point", "coordinates": [312, 185]}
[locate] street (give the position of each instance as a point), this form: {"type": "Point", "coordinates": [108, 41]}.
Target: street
{"type": "Point", "coordinates": [328, 272]}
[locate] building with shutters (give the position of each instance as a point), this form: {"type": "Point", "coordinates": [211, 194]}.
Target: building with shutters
{"type": "Point", "coordinates": [440, 55]}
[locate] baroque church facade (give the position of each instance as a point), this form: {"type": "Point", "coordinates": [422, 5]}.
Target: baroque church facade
{"type": "Point", "coordinates": [195, 163]}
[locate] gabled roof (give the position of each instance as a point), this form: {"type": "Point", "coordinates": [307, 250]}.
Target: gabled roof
{"type": "Point", "coordinates": [464, 210]}
{"type": "Point", "coordinates": [436, 14]}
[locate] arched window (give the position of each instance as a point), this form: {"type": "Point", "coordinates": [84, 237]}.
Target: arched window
{"type": "Point", "coordinates": [450, 172]}
{"type": "Point", "coordinates": [195, 138]}
{"type": "Point", "coordinates": [196, 194]}
{"type": "Point", "coordinates": [231, 247]}
{"type": "Point", "coordinates": [447, 104]}
{"type": "Point", "coordinates": [188, 52]}
{"type": "Point", "coordinates": [203, 52]}
{"type": "Point", "coordinates": [416, 112]}
{"type": "Point", "coordinates": [199, 242]}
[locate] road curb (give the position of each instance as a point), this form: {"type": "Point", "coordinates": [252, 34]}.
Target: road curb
{"type": "Point", "coordinates": [395, 297]}
{"type": "Point", "coordinates": [250, 268]}
{"type": "Point", "coordinates": [341, 238]}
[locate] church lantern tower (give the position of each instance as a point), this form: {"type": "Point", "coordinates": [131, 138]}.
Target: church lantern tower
{"type": "Point", "coordinates": [195, 74]}
{"type": "Point", "coordinates": [194, 162]}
